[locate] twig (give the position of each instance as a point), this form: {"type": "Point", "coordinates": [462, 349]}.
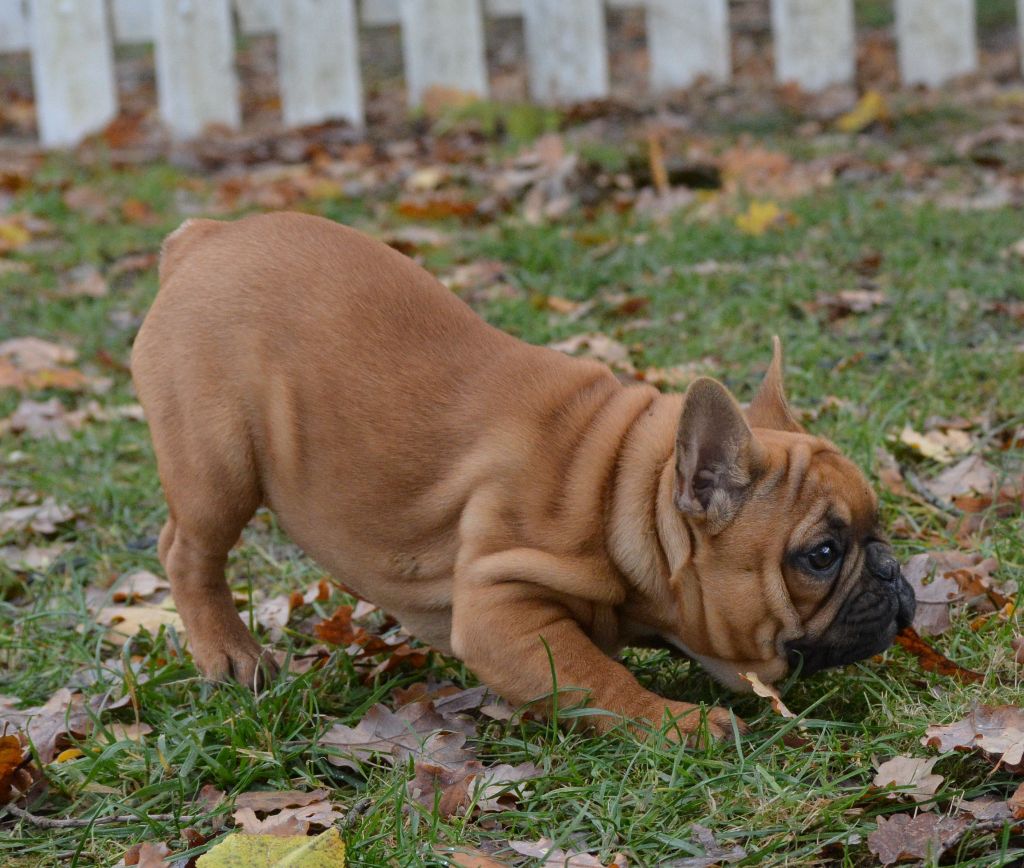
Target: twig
{"type": "Point", "coordinates": [921, 490]}
{"type": "Point", "coordinates": [75, 823]}
{"type": "Point", "coordinates": [355, 812]}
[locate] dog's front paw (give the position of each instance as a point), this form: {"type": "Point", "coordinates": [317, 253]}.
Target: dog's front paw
{"type": "Point", "coordinates": [692, 724]}
{"type": "Point", "coordinates": [237, 657]}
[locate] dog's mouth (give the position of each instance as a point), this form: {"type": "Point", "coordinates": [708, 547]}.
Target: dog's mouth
{"type": "Point", "coordinates": [865, 625]}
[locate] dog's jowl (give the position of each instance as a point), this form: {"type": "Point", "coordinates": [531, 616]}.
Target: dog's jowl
{"type": "Point", "coordinates": [500, 499]}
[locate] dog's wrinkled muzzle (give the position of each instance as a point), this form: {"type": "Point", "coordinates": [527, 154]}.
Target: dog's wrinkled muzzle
{"type": "Point", "coordinates": [868, 620]}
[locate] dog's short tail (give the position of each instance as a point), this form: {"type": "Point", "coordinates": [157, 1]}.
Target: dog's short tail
{"type": "Point", "coordinates": [177, 245]}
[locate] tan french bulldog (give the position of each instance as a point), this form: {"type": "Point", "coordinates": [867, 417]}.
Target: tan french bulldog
{"type": "Point", "coordinates": [502, 500]}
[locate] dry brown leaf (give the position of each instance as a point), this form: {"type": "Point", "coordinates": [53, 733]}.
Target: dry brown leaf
{"type": "Point", "coordinates": [84, 281]}
{"type": "Point", "coordinates": [714, 853]}
{"type": "Point", "coordinates": [454, 786]}
{"type": "Point", "coordinates": [17, 773]}
{"type": "Point", "coordinates": [841, 304]}
{"type": "Point", "coordinates": [138, 585]}
{"type": "Point", "coordinates": [943, 579]}
{"type": "Point", "coordinates": [31, 559]}
{"type": "Point", "coordinates": [266, 801]}
{"type": "Point", "coordinates": [43, 419]}
{"type": "Point", "coordinates": [31, 354]}
{"type": "Point", "coordinates": [926, 836]}
{"type": "Point", "coordinates": [986, 809]}
{"type": "Point", "coordinates": [392, 733]}
{"type": "Point", "coordinates": [596, 346]}
{"type": "Point", "coordinates": [288, 820]}
{"type": "Point", "coordinates": [767, 692]}
{"type": "Point", "coordinates": [467, 857]}
{"type": "Point", "coordinates": [997, 731]}
{"type": "Point", "coordinates": [48, 726]}
{"type": "Point", "coordinates": [43, 518]}
{"type": "Point", "coordinates": [128, 731]}
{"type": "Point", "coordinates": [555, 857]}
{"type": "Point", "coordinates": [913, 776]}
{"type": "Point", "coordinates": [931, 660]}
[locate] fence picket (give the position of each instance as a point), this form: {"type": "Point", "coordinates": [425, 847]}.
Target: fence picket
{"type": "Point", "coordinates": [14, 30]}
{"type": "Point", "coordinates": [318, 54]}
{"type": "Point", "coordinates": [133, 21]}
{"type": "Point", "coordinates": [936, 40]}
{"type": "Point", "coordinates": [196, 84]}
{"type": "Point", "coordinates": [566, 50]}
{"type": "Point", "coordinates": [72, 69]}
{"type": "Point", "coordinates": [443, 46]}
{"type": "Point", "coordinates": [814, 42]}
{"type": "Point", "coordinates": [257, 17]}
{"type": "Point", "coordinates": [687, 39]}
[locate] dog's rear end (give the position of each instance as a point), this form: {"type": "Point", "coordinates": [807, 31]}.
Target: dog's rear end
{"type": "Point", "coordinates": [290, 362]}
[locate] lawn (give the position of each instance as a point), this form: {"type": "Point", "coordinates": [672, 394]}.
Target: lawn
{"type": "Point", "coordinates": [930, 336]}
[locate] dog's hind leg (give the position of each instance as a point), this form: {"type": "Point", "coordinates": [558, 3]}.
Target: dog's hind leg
{"type": "Point", "coordinates": [211, 494]}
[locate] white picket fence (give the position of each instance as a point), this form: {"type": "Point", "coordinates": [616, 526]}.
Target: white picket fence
{"type": "Point", "coordinates": [71, 46]}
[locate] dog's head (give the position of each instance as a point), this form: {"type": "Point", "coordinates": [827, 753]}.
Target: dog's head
{"type": "Point", "coordinates": [788, 565]}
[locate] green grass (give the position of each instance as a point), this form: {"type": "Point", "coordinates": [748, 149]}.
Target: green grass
{"type": "Point", "coordinates": [935, 349]}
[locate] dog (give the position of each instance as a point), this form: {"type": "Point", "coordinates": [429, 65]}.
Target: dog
{"type": "Point", "coordinates": [512, 506]}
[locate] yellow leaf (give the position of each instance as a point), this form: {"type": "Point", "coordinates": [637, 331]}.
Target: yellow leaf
{"type": "Point", "coordinates": [870, 108]}
{"type": "Point", "coordinates": [759, 217]}
{"type": "Point", "coordinates": [13, 235]}
{"type": "Point", "coordinates": [767, 692]}
{"type": "Point", "coordinates": [72, 753]}
{"type": "Point", "coordinates": [326, 850]}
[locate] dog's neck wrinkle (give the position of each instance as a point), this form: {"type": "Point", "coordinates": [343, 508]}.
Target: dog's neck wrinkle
{"type": "Point", "coordinates": [649, 544]}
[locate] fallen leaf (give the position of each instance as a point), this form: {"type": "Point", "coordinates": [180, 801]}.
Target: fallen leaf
{"type": "Point", "coordinates": [391, 733]}
{"type": "Point", "coordinates": [871, 108]}
{"type": "Point", "coordinates": [766, 692]}
{"type": "Point", "coordinates": [89, 201]}
{"type": "Point", "coordinates": [32, 558]}
{"type": "Point", "coordinates": [556, 857]}
{"type": "Point", "coordinates": [326, 850]}
{"type": "Point", "coordinates": [986, 809]}
{"type": "Point", "coordinates": [467, 857]}
{"type": "Point", "coordinates": [43, 419]}
{"type": "Point", "coordinates": [941, 446]}
{"type": "Point", "coordinates": [72, 753]}
{"type": "Point", "coordinates": [265, 801]}
{"type": "Point", "coordinates": [338, 629]}
{"type": "Point", "coordinates": [845, 302]}
{"type": "Point", "coordinates": [454, 786]}
{"type": "Point", "coordinates": [44, 518]}
{"type": "Point", "coordinates": [288, 821]}
{"type": "Point", "coordinates": [931, 660]}
{"type": "Point", "coordinates": [127, 621]}
{"type": "Point", "coordinates": [137, 585]}
{"type": "Point", "coordinates": [149, 855]}
{"type": "Point", "coordinates": [913, 776]}
{"type": "Point", "coordinates": [760, 217]}
{"type": "Point", "coordinates": [127, 731]}
{"type": "Point", "coordinates": [1016, 803]}
{"type": "Point", "coordinates": [17, 774]}
{"type": "Point", "coordinates": [714, 853]}
{"type": "Point", "coordinates": [49, 725]}
{"type": "Point", "coordinates": [31, 354]}
{"type": "Point", "coordinates": [84, 281]}
{"type": "Point", "coordinates": [926, 836]}
{"type": "Point", "coordinates": [597, 346]}
{"type": "Point", "coordinates": [997, 731]}
{"type": "Point", "coordinates": [948, 578]}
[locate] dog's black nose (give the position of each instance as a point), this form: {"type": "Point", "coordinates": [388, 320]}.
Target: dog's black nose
{"type": "Point", "coordinates": [881, 563]}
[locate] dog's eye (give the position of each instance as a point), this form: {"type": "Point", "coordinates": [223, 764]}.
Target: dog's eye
{"type": "Point", "coordinates": [824, 556]}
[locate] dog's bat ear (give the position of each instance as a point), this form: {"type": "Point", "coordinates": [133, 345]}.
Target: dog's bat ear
{"type": "Point", "coordinates": [717, 457]}
{"type": "Point", "coordinates": [770, 409]}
